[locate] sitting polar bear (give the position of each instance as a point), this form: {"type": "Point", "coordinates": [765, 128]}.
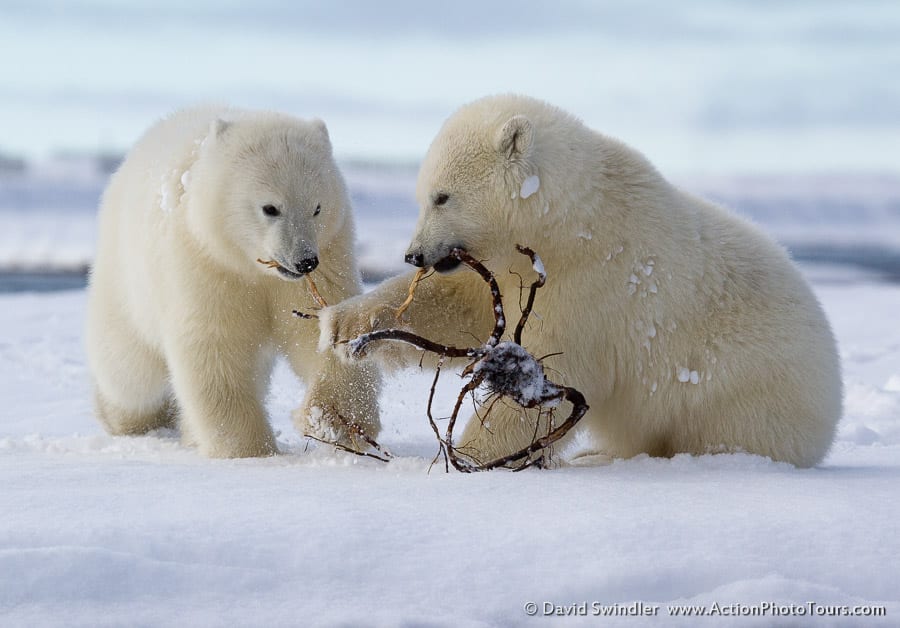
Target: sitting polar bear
{"type": "Point", "coordinates": [182, 319]}
{"type": "Point", "coordinates": [686, 328]}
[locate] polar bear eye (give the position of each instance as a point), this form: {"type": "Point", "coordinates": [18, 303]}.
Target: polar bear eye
{"type": "Point", "coordinates": [271, 210]}
{"type": "Point", "coordinates": [441, 199]}
{"type": "Point", "coordinates": [318, 209]}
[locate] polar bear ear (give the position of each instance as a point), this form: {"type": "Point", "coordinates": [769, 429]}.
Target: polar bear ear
{"type": "Point", "coordinates": [322, 129]}
{"type": "Point", "coordinates": [217, 128]}
{"type": "Point", "coordinates": [515, 137]}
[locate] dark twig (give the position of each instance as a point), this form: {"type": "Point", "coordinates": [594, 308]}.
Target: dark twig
{"type": "Point", "coordinates": [496, 299]}
{"type": "Point", "coordinates": [579, 408]}
{"type": "Point", "coordinates": [499, 367]}
{"type": "Point", "coordinates": [359, 432]}
{"type": "Point", "coordinates": [442, 449]}
{"type": "Point", "coordinates": [358, 345]}
{"type": "Point", "coordinates": [458, 463]}
{"type": "Point", "coordinates": [349, 450]}
{"type": "Point", "coordinates": [538, 266]}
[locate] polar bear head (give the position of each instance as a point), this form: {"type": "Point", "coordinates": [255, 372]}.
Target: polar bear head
{"type": "Point", "coordinates": [265, 187]}
{"type": "Point", "coordinates": [483, 183]}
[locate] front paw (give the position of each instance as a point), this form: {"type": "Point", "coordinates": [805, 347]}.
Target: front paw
{"type": "Point", "coordinates": [327, 425]}
{"type": "Point", "coordinates": [342, 323]}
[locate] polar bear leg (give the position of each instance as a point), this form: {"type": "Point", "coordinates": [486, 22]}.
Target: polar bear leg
{"type": "Point", "coordinates": [504, 430]}
{"type": "Point", "coordinates": [509, 428]}
{"type": "Point", "coordinates": [219, 393]}
{"type": "Point", "coordinates": [339, 394]}
{"type": "Point", "coordinates": [131, 388]}
{"type": "Point", "coordinates": [451, 309]}
{"type": "Point", "coordinates": [590, 459]}
{"type": "Point", "coordinates": [120, 421]}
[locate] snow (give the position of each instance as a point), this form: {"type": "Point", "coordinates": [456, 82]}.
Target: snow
{"type": "Point", "coordinates": [529, 186]}
{"type": "Point", "coordinates": [893, 383]}
{"type": "Point", "coordinates": [538, 266]}
{"type": "Point", "coordinates": [164, 200]}
{"type": "Point", "coordinates": [686, 375]}
{"type": "Point", "coordinates": [99, 530]}
{"type": "Point", "coordinates": [96, 530]}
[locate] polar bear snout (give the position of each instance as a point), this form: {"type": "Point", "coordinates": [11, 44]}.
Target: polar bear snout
{"type": "Point", "coordinates": [307, 264]}
{"type": "Point", "coordinates": [437, 258]}
{"type": "Point", "coordinates": [298, 268]}
{"type": "Point", "coordinates": [446, 264]}
{"type": "Point", "coordinates": [416, 259]}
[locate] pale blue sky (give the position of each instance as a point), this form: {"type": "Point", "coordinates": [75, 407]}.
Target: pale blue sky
{"type": "Point", "coordinates": [699, 86]}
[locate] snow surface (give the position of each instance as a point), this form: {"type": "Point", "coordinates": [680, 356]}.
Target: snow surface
{"type": "Point", "coordinates": [103, 531]}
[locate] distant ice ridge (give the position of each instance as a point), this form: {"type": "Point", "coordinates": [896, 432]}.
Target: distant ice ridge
{"type": "Point", "coordinates": [47, 213]}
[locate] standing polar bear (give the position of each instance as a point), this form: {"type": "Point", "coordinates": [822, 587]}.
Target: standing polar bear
{"type": "Point", "coordinates": [686, 328]}
{"type": "Point", "coordinates": [182, 319]}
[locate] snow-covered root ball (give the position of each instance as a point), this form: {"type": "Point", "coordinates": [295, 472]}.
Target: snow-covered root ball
{"type": "Point", "coordinates": [686, 328]}
{"type": "Point", "coordinates": [183, 321]}
{"type": "Point", "coordinates": [511, 371]}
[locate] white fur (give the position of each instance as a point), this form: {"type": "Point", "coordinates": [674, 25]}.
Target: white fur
{"type": "Point", "coordinates": [182, 320]}
{"type": "Point", "coordinates": [686, 328]}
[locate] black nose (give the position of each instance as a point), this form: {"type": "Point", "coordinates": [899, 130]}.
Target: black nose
{"type": "Point", "coordinates": [416, 259]}
{"type": "Point", "coordinates": [307, 265]}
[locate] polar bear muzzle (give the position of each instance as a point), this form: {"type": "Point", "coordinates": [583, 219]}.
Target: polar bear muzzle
{"type": "Point", "coordinates": [441, 262]}
{"type": "Point", "coordinates": [446, 264]}
{"type": "Point", "coordinates": [300, 267]}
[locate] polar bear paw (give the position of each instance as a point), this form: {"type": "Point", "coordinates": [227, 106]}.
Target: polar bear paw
{"type": "Point", "coordinates": [349, 319]}
{"type": "Point", "coordinates": [326, 425]}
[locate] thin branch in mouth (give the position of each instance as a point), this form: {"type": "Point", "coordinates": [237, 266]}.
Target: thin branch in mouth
{"type": "Point", "coordinates": [313, 290]}
{"type": "Point", "coordinates": [412, 290]}
{"type": "Point", "coordinates": [320, 301]}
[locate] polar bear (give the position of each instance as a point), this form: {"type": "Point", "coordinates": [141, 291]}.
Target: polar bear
{"type": "Point", "coordinates": [686, 328]}
{"type": "Point", "coordinates": [183, 322]}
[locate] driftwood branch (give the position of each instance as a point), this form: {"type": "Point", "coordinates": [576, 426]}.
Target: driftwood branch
{"type": "Point", "coordinates": [358, 345]}
{"type": "Point", "coordinates": [497, 366]}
